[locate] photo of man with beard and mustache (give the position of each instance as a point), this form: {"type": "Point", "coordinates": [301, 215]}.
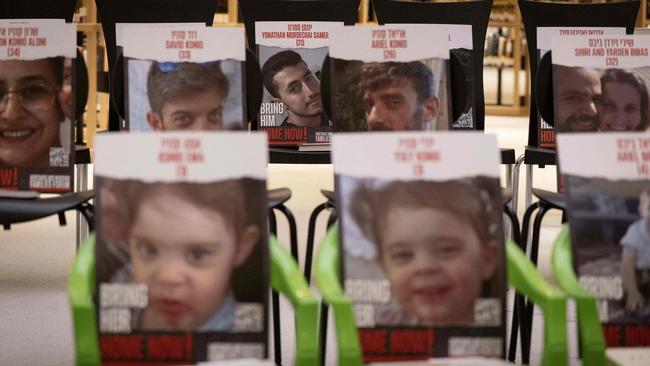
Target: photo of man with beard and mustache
{"type": "Point", "coordinates": [390, 96]}
{"type": "Point", "coordinates": [398, 96]}
{"type": "Point", "coordinates": [577, 94]}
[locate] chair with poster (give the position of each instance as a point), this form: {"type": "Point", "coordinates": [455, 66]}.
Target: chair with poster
{"type": "Point", "coordinates": [155, 278]}
{"type": "Point", "coordinates": [599, 257]}
{"type": "Point", "coordinates": [39, 151]}
{"type": "Point", "coordinates": [356, 74]}
{"type": "Point", "coordinates": [170, 87]}
{"type": "Point", "coordinates": [402, 251]}
{"type": "Point", "coordinates": [286, 36]}
{"type": "Point", "coordinates": [541, 22]}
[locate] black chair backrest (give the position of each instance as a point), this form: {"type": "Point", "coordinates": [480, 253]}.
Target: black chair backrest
{"type": "Point", "coordinates": [476, 13]}
{"type": "Point", "coordinates": [536, 14]}
{"type": "Point", "coordinates": [37, 9]}
{"type": "Point", "coordinates": [147, 11]}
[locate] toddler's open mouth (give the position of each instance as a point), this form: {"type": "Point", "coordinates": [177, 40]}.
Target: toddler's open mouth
{"type": "Point", "coordinates": [171, 309]}
{"type": "Point", "coordinates": [432, 294]}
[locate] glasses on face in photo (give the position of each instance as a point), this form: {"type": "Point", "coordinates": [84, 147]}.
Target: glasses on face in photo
{"type": "Point", "coordinates": [34, 97]}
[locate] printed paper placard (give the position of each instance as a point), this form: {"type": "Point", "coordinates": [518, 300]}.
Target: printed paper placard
{"type": "Point", "coordinates": [184, 43]}
{"type": "Point", "coordinates": [460, 46]}
{"type": "Point", "coordinates": [122, 30]}
{"type": "Point", "coordinates": [181, 254]}
{"type": "Point", "coordinates": [291, 55]}
{"type": "Point", "coordinates": [546, 132]}
{"type": "Point", "coordinates": [36, 133]}
{"type": "Point", "coordinates": [394, 78]}
{"type": "Point", "coordinates": [609, 217]}
{"type": "Point", "coordinates": [424, 269]}
{"type": "Point", "coordinates": [600, 84]}
{"type": "Point", "coordinates": [184, 77]}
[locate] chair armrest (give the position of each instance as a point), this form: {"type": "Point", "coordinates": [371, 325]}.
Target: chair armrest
{"type": "Point", "coordinates": [287, 279]}
{"type": "Point", "coordinates": [592, 340]}
{"type": "Point", "coordinates": [328, 280]}
{"type": "Point", "coordinates": [523, 276]}
{"type": "Point", "coordinates": [81, 287]}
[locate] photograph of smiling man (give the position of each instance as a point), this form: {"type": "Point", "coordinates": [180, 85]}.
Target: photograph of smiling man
{"type": "Point", "coordinates": [36, 104]}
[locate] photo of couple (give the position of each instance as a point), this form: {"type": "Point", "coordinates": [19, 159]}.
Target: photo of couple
{"type": "Point", "coordinates": [589, 99]}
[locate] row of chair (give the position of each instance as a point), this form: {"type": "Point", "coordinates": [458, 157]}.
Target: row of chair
{"type": "Point", "coordinates": [311, 318]}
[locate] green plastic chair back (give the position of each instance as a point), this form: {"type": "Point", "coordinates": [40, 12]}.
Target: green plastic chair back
{"type": "Point", "coordinates": [522, 275]}
{"type": "Point", "coordinates": [592, 340]}
{"type": "Point", "coordinates": [286, 278]}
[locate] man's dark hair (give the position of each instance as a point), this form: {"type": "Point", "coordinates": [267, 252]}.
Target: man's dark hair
{"type": "Point", "coordinates": [377, 75]}
{"type": "Point", "coordinates": [167, 81]}
{"type": "Point", "coordinates": [274, 65]}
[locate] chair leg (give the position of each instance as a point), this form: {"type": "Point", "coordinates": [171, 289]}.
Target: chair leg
{"type": "Point", "coordinates": [277, 341]}
{"type": "Point", "coordinates": [525, 223]}
{"type": "Point", "coordinates": [293, 231]}
{"type": "Point", "coordinates": [273, 224]}
{"type": "Point", "coordinates": [87, 211]}
{"type": "Point", "coordinates": [275, 299]}
{"type": "Point", "coordinates": [534, 251]}
{"type": "Point", "coordinates": [332, 219]}
{"type": "Point", "coordinates": [311, 232]}
{"type": "Point", "coordinates": [519, 303]}
{"type": "Point", "coordinates": [514, 224]}
{"type": "Point", "coordinates": [323, 331]}
{"type": "Point", "coordinates": [519, 324]}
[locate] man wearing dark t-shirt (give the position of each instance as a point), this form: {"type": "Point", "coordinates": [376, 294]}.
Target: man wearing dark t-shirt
{"type": "Point", "coordinates": [288, 79]}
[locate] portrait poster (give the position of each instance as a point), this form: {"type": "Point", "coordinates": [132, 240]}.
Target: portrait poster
{"type": "Point", "coordinates": [184, 77]}
{"type": "Point", "coordinates": [291, 56]}
{"type": "Point", "coordinates": [37, 86]}
{"type": "Point", "coordinates": [182, 263]}
{"type": "Point", "coordinates": [600, 84]}
{"type": "Point", "coordinates": [391, 77]}
{"type": "Point", "coordinates": [424, 270]}
{"type": "Point", "coordinates": [460, 46]}
{"type": "Point", "coordinates": [546, 132]}
{"type": "Point", "coordinates": [609, 220]}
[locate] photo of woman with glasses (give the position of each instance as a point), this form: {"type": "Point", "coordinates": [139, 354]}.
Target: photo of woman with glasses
{"type": "Point", "coordinates": [31, 114]}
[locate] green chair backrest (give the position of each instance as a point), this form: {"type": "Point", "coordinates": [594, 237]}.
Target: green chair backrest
{"type": "Point", "coordinates": [286, 278]}
{"type": "Point", "coordinates": [522, 275]}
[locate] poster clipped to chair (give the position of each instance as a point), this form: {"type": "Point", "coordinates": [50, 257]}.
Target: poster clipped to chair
{"type": "Point", "coordinates": [184, 77]}
{"type": "Point", "coordinates": [600, 84]}
{"type": "Point", "coordinates": [291, 56]}
{"type": "Point", "coordinates": [182, 252]}
{"type": "Point", "coordinates": [460, 47]}
{"type": "Point", "coordinates": [37, 86]}
{"type": "Point", "coordinates": [609, 219]}
{"type": "Point", "coordinates": [546, 132]}
{"type": "Point", "coordinates": [424, 268]}
{"type": "Point", "coordinates": [390, 78]}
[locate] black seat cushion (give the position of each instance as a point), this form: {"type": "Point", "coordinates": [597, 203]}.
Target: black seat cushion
{"type": "Point", "coordinates": [554, 199]}
{"type": "Point", "coordinates": [278, 196]}
{"type": "Point", "coordinates": [14, 211]}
